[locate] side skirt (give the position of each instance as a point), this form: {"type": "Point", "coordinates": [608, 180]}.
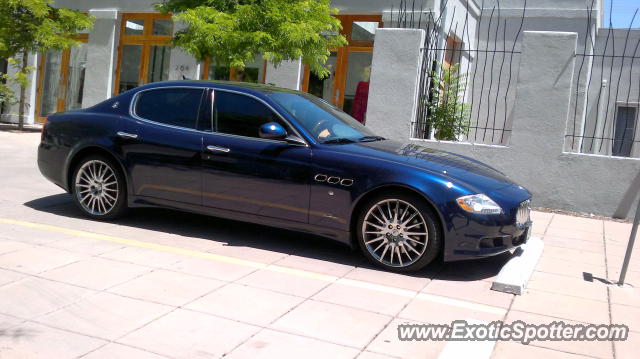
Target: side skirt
{"type": "Point", "coordinates": [342, 237]}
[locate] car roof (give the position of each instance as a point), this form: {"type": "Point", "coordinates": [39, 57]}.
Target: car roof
{"type": "Point", "coordinates": [228, 85]}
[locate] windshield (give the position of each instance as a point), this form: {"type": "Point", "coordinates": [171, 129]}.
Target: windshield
{"type": "Point", "coordinates": [326, 123]}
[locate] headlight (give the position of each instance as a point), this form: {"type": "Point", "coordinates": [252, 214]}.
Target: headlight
{"type": "Point", "coordinates": [479, 203]}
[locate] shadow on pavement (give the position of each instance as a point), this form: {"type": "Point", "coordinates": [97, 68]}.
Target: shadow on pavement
{"type": "Point", "coordinates": [242, 234]}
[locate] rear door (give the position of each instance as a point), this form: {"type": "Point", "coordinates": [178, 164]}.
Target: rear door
{"type": "Point", "coordinates": [245, 173]}
{"type": "Point", "coordinates": [162, 146]}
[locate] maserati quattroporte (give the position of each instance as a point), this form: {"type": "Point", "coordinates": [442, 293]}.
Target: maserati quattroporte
{"type": "Point", "coordinates": [281, 158]}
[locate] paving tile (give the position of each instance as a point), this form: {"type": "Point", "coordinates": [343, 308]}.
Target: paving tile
{"type": "Point", "coordinates": [119, 351]}
{"type": "Point", "coordinates": [145, 257]}
{"type": "Point", "coordinates": [271, 344]}
{"type": "Point", "coordinates": [363, 298]}
{"type": "Point", "coordinates": [626, 295]}
{"type": "Point", "coordinates": [509, 350]}
{"type": "Point", "coordinates": [248, 253]}
{"type": "Point", "coordinates": [167, 287]}
{"type": "Point", "coordinates": [32, 236]}
{"type": "Point", "coordinates": [104, 315]}
{"type": "Point", "coordinates": [37, 259]}
{"type": "Point", "coordinates": [7, 276]}
{"type": "Point", "coordinates": [485, 269]}
{"type": "Point", "coordinates": [284, 283]}
{"type": "Point", "coordinates": [405, 281]}
{"type": "Point", "coordinates": [617, 229]}
{"type": "Point", "coordinates": [31, 297]}
{"type": "Point", "coordinates": [7, 322]}
{"type": "Point", "coordinates": [573, 233]}
{"type": "Point", "coordinates": [187, 334]}
{"type": "Point", "coordinates": [31, 340]}
{"type": "Point", "coordinates": [95, 273]}
{"type": "Point", "coordinates": [590, 246]}
{"type": "Point", "coordinates": [84, 245]}
{"type": "Point", "coordinates": [598, 349]}
{"type": "Point", "coordinates": [624, 314]}
{"type": "Point", "coordinates": [572, 222]}
{"type": "Point", "coordinates": [628, 348]}
{"type": "Point", "coordinates": [332, 323]}
{"type": "Point", "coordinates": [562, 306]}
{"type": "Point", "coordinates": [431, 312]}
{"type": "Point", "coordinates": [212, 269]}
{"type": "Point", "coordinates": [387, 342]}
{"type": "Point", "coordinates": [372, 355]}
{"type": "Point", "coordinates": [575, 286]}
{"type": "Point", "coordinates": [573, 269]}
{"type": "Point", "coordinates": [473, 291]}
{"type": "Point", "coordinates": [238, 302]}
{"type": "Point", "coordinates": [315, 265]}
{"type": "Point", "coordinates": [7, 246]}
{"type": "Point", "coordinates": [574, 255]}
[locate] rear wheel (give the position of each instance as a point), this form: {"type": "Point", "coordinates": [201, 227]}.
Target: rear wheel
{"type": "Point", "coordinates": [99, 188]}
{"type": "Point", "coordinates": [399, 232]}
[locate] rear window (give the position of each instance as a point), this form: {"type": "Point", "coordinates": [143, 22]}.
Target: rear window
{"type": "Point", "coordinates": [171, 106]}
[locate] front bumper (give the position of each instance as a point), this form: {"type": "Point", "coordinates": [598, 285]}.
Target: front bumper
{"type": "Point", "coordinates": [476, 236]}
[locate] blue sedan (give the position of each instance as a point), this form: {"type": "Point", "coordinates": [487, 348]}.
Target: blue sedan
{"type": "Point", "coordinates": [281, 158]}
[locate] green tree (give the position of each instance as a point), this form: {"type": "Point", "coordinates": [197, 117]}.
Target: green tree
{"type": "Point", "coordinates": [448, 114]}
{"type": "Point", "coordinates": [232, 32]}
{"type": "Point", "coordinates": [35, 26]}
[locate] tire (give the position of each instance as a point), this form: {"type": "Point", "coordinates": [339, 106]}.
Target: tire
{"type": "Point", "coordinates": [383, 229]}
{"type": "Point", "coordinates": [99, 188]}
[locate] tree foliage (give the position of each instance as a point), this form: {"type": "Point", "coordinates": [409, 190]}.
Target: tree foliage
{"type": "Point", "coordinates": [448, 114]}
{"type": "Point", "coordinates": [233, 32]}
{"type": "Point", "coordinates": [34, 26]}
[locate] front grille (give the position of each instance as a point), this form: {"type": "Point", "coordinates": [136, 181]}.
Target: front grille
{"type": "Point", "coordinates": [524, 212]}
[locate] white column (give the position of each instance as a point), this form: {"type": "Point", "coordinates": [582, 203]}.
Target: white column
{"type": "Point", "coordinates": [288, 74]}
{"type": "Point", "coordinates": [101, 57]}
{"type": "Point", "coordinates": [393, 90]}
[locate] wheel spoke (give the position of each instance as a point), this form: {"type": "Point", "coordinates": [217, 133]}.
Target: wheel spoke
{"type": "Point", "coordinates": [374, 225]}
{"type": "Point", "coordinates": [410, 219]}
{"type": "Point", "coordinates": [378, 247]}
{"type": "Point", "coordinates": [415, 233]}
{"type": "Point", "coordinates": [109, 196]}
{"type": "Point", "coordinates": [399, 256]}
{"type": "Point", "coordinates": [379, 209]}
{"type": "Point", "coordinates": [393, 251]}
{"type": "Point", "coordinates": [375, 240]}
{"type": "Point", "coordinates": [378, 219]}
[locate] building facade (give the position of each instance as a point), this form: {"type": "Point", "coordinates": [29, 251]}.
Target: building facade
{"type": "Point", "coordinates": [128, 47]}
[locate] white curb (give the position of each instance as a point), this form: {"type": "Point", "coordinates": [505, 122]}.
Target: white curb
{"type": "Point", "coordinates": [515, 274]}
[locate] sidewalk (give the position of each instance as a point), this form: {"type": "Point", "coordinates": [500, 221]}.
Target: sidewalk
{"type": "Point", "coordinates": [166, 284]}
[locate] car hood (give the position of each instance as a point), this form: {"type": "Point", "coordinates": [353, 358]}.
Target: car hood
{"type": "Point", "coordinates": [457, 168]}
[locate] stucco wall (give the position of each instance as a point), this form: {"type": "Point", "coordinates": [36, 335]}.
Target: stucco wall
{"type": "Point", "coordinates": [535, 158]}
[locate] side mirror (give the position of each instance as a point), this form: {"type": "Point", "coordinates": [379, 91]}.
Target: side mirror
{"type": "Point", "coordinates": [272, 131]}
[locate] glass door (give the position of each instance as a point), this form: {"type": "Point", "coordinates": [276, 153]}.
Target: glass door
{"type": "Point", "coordinates": [348, 85]}
{"type": "Point", "coordinates": [144, 55]}
{"type": "Point", "coordinates": [61, 80]}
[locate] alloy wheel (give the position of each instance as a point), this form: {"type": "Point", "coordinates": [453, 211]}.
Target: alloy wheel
{"type": "Point", "coordinates": [395, 233]}
{"type": "Point", "coordinates": [96, 187]}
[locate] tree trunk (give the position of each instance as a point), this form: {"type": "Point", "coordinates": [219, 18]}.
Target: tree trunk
{"type": "Point", "coordinates": [23, 92]}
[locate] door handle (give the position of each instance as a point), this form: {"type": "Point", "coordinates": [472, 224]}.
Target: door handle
{"type": "Point", "coordinates": [218, 149]}
{"type": "Point", "coordinates": [126, 135]}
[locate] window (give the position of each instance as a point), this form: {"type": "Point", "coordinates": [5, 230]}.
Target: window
{"type": "Point", "coordinates": [454, 51]}
{"type": "Point", "coordinates": [241, 115]}
{"type": "Point", "coordinates": [624, 132]}
{"type": "Point", "coordinates": [172, 106]}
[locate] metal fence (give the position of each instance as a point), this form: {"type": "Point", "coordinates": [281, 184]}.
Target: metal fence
{"type": "Point", "coordinates": [468, 71]}
{"type": "Point", "coordinates": [606, 94]}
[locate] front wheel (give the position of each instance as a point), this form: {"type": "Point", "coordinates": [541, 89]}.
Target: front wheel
{"type": "Point", "coordinates": [99, 188]}
{"type": "Point", "coordinates": [399, 232]}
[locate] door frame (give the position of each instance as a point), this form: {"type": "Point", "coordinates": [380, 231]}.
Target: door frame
{"type": "Point", "coordinates": [63, 78]}
{"type": "Point", "coordinates": [146, 40]}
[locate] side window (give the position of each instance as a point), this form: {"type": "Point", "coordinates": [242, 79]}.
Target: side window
{"type": "Point", "coordinates": [171, 106]}
{"type": "Point", "coordinates": [241, 115]}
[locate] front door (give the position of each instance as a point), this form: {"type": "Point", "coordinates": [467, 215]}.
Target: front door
{"type": "Point", "coordinates": [162, 147]}
{"type": "Point", "coordinates": [244, 173]}
{"type": "Point", "coordinates": [61, 80]}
